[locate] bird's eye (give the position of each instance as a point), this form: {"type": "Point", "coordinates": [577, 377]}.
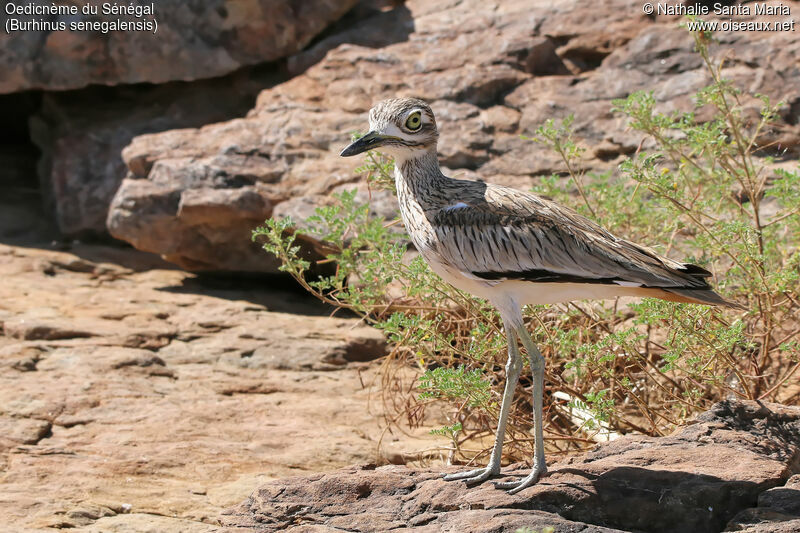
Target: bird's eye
{"type": "Point", "coordinates": [414, 121]}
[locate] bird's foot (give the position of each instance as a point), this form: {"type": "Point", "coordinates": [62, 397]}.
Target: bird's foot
{"type": "Point", "coordinates": [514, 487]}
{"type": "Point", "coordinates": [478, 475]}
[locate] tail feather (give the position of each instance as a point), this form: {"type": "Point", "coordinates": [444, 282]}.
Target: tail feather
{"type": "Point", "coordinates": [702, 296]}
{"type": "Point", "coordinates": [695, 271]}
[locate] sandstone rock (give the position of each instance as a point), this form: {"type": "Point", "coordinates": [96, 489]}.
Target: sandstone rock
{"type": "Point", "coordinates": [372, 23]}
{"type": "Point", "coordinates": [325, 344]}
{"type": "Point", "coordinates": [81, 135]}
{"type": "Point", "coordinates": [136, 397]}
{"type": "Point", "coordinates": [26, 329]}
{"type": "Point", "coordinates": [146, 523]}
{"type": "Point", "coordinates": [784, 499]}
{"type": "Point", "coordinates": [23, 430]}
{"type": "Point", "coordinates": [197, 229]}
{"type": "Point", "coordinates": [694, 480]}
{"type": "Point", "coordinates": [778, 510]}
{"type": "Point", "coordinates": [190, 42]}
{"type": "Point", "coordinates": [526, 62]}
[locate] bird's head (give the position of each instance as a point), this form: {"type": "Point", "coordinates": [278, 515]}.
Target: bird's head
{"type": "Point", "coordinates": [401, 127]}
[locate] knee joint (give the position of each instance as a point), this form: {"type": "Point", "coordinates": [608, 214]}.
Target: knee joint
{"type": "Point", "coordinates": [514, 365]}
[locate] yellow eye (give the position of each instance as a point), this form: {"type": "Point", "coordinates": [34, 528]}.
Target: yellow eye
{"type": "Point", "coordinates": [414, 121]}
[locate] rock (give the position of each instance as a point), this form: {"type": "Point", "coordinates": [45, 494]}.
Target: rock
{"type": "Point", "coordinates": [23, 430]}
{"type": "Point", "coordinates": [188, 43]}
{"type": "Point", "coordinates": [137, 397]}
{"type": "Point", "coordinates": [147, 523]}
{"type": "Point", "coordinates": [527, 62]}
{"type": "Point", "coordinates": [696, 480]}
{"type": "Point", "coordinates": [371, 23]}
{"type": "Point", "coordinates": [778, 511]}
{"type": "Point", "coordinates": [784, 499]}
{"type": "Point", "coordinates": [81, 135]}
{"type": "Point", "coordinates": [197, 229]}
{"type": "Point", "coordinates": [86, 514]}
{"type": "Point", "coordinates": [325, 344]}
{"type": "Point", "coordinates": [26, 329]}
{"type": "Point", "coordinates": [21, 217]}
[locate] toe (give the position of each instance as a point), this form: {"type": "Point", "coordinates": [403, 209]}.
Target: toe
{"type": "Point", "coordinates": [506, 485]}
{"type": "Point", "coordinates": [483, 476]}
{"type": "Point", "coordinates": [472, 476]}
{"type": "Point", "coordinates": [514, 487]}
{"type": "Point", "coordinates": [463, 475]}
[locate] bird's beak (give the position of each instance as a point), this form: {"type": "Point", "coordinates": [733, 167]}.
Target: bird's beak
{"type": "Point", "coordinates": [369, 141]}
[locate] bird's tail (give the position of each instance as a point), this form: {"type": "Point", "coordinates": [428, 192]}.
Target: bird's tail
{"type": "Point", "coordinates": [700, 296]}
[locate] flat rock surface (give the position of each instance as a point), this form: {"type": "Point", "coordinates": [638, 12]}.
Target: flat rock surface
{"type": "Point", "coordinates": [135, 397]}
{"type": "Point", "coordinates": [737, 456]}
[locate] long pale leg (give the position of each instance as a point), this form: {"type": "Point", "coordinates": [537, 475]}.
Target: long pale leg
{"type": "Point", "coordinates": [513, 369]}
{"type": "Point", "coordinates": [539, 464]}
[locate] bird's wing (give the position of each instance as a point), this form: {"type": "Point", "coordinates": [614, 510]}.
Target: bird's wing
{"type": "Point", "coordinates": [508, 234]}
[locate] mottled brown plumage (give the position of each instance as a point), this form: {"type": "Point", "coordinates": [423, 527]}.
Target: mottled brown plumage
{"type": "Point", "coordinates": [513, 248]}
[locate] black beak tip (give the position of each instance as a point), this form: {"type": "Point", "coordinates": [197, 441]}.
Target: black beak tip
{"type": "Point", "coordinates": [361, 145]}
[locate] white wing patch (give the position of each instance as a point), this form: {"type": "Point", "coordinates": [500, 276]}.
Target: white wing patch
{"type": "Point", "coordinates": [455, 206]}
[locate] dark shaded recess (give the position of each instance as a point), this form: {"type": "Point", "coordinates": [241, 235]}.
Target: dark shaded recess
{"type": "Point", "coordinates": [14, 111]}
{"type": "Point", "coordinates": [665, 501]}
{"type": "Point", "coordinates": [100, 121]}
{"type": "Point", "coordinates": [272, 291]}
{"type": "Point", "coordinates": [585, 58]}
{"type": "Point", "coordinates": [611, 153]}
{"type": "Point", "coordinates": [492, 92]}
{"type": "Point", "coordinates": [553, 56]}
{"type": "Point", "coordinates": [537, 55]}
{"type": "Point", "coordinates": [21, 212]}
{"type": "Point", "coordinates": [17, 153]}
{"type": "Point", "coordinates": [370, 24]}
{"type": "Point", "coordinates": [791, 112]}
{"type": "Point", "coordinates": [542, 59]}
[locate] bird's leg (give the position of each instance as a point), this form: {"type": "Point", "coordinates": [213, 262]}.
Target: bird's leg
{"type": "Point", "coordinates": [513, 369]}
{"type": "Point", "coordinates": [539, 464]}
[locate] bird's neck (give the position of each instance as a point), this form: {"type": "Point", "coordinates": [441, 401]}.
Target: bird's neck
{"type": "Point", "coordinates": [419, 176]}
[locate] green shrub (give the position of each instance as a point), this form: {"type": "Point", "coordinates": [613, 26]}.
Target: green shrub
{"type": "Point", "coordinates": [613, 366]}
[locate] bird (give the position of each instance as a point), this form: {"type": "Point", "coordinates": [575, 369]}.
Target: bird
{"type": "Point", "coordinates": [512, 248]}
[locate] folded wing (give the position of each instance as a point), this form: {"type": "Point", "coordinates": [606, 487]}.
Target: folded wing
{"type": "Point", "coordinates": [507, 235]}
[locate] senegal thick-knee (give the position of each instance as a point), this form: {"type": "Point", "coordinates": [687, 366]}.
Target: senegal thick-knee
{"type": "Point", "coordinates": [513, 248]}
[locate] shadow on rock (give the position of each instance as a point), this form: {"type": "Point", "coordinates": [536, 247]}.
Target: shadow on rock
{"type": "Point", "coordinates": [369, 24]}
{"type": "Point", "coordinates": [274, 293]}
{"type": "Point", "coordinates": [698, 479]}
{"type": "Point", "coordinates": [643, 499]}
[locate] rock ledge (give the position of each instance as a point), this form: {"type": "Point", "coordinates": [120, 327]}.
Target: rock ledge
{"type": "Point", "coordinates": [735, 469]}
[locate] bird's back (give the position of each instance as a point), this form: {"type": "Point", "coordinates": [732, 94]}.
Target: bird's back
{"type": "Point", "coordinates": [494, 237]}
